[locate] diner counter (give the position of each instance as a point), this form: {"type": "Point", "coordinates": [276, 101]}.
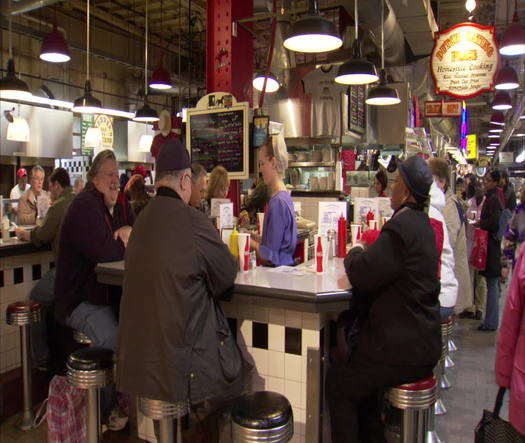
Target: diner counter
{"type": "Point", "coordinates": [14, 246]}
{"type": "Point", "coordinates": [296, 288]}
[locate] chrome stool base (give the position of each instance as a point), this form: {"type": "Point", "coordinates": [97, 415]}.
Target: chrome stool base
{"type": "Point", "coordinates": [444, 383]}
{"type": "Point", "coordinates": [439, 407]}
{"type": "Point", "coordinates": [432, 437]}
{"type": "Point", "coordinates": [165, 413]}
{"type": "Point", "coordinates": [452, 346]}
{"type": "Point", "coordinates": [448, 362]}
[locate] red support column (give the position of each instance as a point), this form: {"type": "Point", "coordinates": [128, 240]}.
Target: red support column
{"type": "Point", "coordinates": [229, 58]}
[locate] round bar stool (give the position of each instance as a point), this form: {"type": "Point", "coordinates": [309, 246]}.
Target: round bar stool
{"type": "Point", "coordinates": [452, 347]}
{"type": "Point", "coordinates": [449, 326]}
{"type": "Point", "coordinates": [24, 314]}
{"type": "Point", "coordinates": [80, 337]}
{"type": "Point", "coordinates": [165, 412]}
{"type": "Point", "coordinates": [91, 368]}
{"type": "Point", "coordinates": [439, 372]}
{"type": "Point", "coordinates": [262, 416]}
{"type": "Point", "coordinates": [415, 400]}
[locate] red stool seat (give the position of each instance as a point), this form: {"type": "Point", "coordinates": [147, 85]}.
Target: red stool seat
{"type": "Point", "coordinates": [420, 385]}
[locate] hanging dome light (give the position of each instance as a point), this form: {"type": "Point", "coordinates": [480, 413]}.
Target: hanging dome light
{"type": "Point", "coordinates": [54, 47]}
{"type": "Point", "coordinates": [11, 87]}
{"type": "Point", "coordinates": [382, 94]}
{"type": "Point", "coordinates": [87, 104]}
{"type": "Point", "coordinates": [507, 78]}
{"type": "Point", "coordinates": [272, 84]}
{"type": "Point", "coordinates": [497, 118]}
{"type": "Point", "coordinates": [495, 128]}
{"type": "Point", "coordinates": [160, 78]}
{"type": "Point", "coordinates": [313, 33]}
{"type": "Point", "coordinates": [513, 40]}
{"type": "Point", "coordinates": [356, 71]}
{"type": "Point", "coordinates": [146, 114]}
{"type": "Point", "coordinates": [502, 101]}
{"type": "Point", "coordinates": [493, 135]}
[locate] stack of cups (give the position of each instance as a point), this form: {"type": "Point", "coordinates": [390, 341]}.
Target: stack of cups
{"type": "Point", "coordinates": [244, 251]}
{"type": "Point", "coordinates": [260, 222]}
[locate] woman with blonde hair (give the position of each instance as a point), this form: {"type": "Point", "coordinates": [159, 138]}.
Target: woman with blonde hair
{"type": "Point", "coordinates": [218, 183]}
{"type": "Point", "coordinates": [279, 237]}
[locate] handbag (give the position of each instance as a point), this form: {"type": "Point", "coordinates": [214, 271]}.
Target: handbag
{"type": "Point", "coordinates": [493, 429]}
{"type": "Point", "coordinates": [478, 255]}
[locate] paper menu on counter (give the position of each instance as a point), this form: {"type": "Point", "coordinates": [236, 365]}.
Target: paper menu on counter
{"type": "Point", "coordinates": [362, 206]}
{"type": "Point", "coordinates": [329, 213]}
{"type": "Point", "coordinates": [215, 206]}
{"type": "Point", "coordinates": [385, 209]}
{"type": "Point", "coordinates": [225, 219]}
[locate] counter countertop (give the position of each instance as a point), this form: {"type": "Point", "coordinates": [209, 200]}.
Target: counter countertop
{"type": "Point", "coordinates": [297, 288]}
{"type": "Point", "coordinates": [14, 246]}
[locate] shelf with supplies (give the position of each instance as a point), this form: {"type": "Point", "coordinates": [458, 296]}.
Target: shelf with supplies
{"type": "Point", "coordinates": [311, 164]}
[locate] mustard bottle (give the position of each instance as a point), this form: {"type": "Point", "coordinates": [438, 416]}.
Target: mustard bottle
{"type": "Point", "coordinates": [234, 245]}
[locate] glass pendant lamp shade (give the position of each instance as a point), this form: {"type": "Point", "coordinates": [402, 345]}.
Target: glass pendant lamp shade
{"type": "Point", "coordinates": [313, 33]}
{"type": "Point", "coordinates": [160, 78]}
{"type": "Point", "coordinates": [507, 78]}
{"type": "Point", "coordinates": [382, 94]}
{"type": "Point", "coordinates": [146, 114]}
{"type": "Point", "coordinates": [272, 84]}
{"type": "Point", "coordinates": [87, 104]}
{"type": "Point", "coordinates": [502, 101]}
{"type": "Point", "coordinates": [54, 48]}
{"type": "Point", "coordinates": [513, 40]}
{"type": "Point", "coordinates": [11, 87]}
{"type": "Point", "coordinates": [18, 130]}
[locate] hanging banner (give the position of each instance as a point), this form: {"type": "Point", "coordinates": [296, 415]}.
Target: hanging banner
{"type": "Point", "coordinates": [464, 60]}
{"type": "Point", "coordinates": [472, 146]}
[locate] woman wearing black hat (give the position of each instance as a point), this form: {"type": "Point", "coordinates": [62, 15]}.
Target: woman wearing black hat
{"type": "Point", "coordinates": [395, 298]}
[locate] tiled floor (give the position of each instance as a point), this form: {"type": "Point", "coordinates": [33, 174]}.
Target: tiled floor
{"type": "Point", "coordinates": [473, 389]}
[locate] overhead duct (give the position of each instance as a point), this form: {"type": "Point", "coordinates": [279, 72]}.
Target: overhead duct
{"type": "Point", "coordinates": [23, 6]}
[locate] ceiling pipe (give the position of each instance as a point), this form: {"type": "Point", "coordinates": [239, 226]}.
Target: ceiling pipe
{"type": "Point", "coordinates": [23, 6]}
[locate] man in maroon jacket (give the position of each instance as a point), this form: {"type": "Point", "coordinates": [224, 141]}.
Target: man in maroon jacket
{"type": "Point", "coordinates": [96, 229]}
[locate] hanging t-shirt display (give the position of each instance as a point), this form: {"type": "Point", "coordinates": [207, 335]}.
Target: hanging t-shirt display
{"type": "Point", "coordinates": [326, 102]}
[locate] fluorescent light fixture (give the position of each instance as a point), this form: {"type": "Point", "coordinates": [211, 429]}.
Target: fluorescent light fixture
{"type": "Point", "coordinates": [18, 130]}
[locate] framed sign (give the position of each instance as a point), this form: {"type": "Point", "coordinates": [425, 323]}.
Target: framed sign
{"type": "Point", "coordinates": [261, 126]}
{"type": "Point", "coordinates": [356, 108]}
{"type": "Point", "coordinates": [217, 133]}
{"type": "Point", "coordinates": [464, 60]}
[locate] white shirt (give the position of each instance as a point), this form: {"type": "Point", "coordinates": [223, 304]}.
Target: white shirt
{"type": "Point", "coordinates": [16, 193]}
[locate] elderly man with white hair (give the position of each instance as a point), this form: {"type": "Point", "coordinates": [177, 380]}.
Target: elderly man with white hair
{"type": "Point", "coordinates": [279, 237]}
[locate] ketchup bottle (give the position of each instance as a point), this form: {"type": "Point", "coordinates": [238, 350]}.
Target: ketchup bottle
{"type": "Point", "coordinates": [341, 237]}
{"type": "Point", "coordinates": [369, 216]}
{"type": "Point", "coordinates": [319, 255]}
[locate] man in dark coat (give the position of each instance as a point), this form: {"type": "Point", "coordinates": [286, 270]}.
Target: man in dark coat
{"type": "Point", "coordinates": [395, 291]}
{"type": "Point", "coordinates": [174, 341]}
{"type": "Point", "coordinates": [490, 222]}
{"type": "Point", "coordinates": [96, 229]}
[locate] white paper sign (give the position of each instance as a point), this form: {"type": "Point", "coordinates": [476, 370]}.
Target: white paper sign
{"type": "Point", "coordinates": [329, 213]}
{"type": "Point", "coordinates": [362, 206]}
{"type": "Point", "coordinates": [384, 207]}
{"type": "Point", "coordinates": [225, 220]}
{"type": "Point", "coordinates": [214, 205]}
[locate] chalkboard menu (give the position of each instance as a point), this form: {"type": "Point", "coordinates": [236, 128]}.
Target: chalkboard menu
{"type": "Point", "coordinates": [219, 137]}
{"type": "Point", "coordinates": [356, 108]}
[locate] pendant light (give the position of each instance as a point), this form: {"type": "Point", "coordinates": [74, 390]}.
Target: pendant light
{"type": "Point", "coordinates": [382, 94]}
{"type": "Point", "coordinates": [54, 47]}
{"type": "Point", "coordinates": [356, 71]}
{"type": "Point", "coordinates": [272, 84]}
{"type": "Point", "coordinates": [497, 118]}
{"type": "Point", "coordinates": [160, 78]}
{"type": "Point", "coordinates": [146, 114]}
{"type": "Point", "coordinates": [11, 87]}
{"type": "Point", "coordinates": [502, 101]}
{"type": "Point", "coordinates": [313, 33]}
{"type": "Point", "coordinates": [507, 78]}
{"type": "Point", "coordinates": [513, 39]}
{"type": "Point", "coordinates": [87, 104]}
{"type": "Point", "coordinates": [495, 128]}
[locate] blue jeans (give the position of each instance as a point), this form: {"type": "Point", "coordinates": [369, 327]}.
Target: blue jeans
{"type": "Point", "coordinates": [44, 293]}
{"type": "Point", "coordinates": [98, 322]}
{"type": "Point", "coordinates": [492, 312]}
{"type": "Point", "coordinates": [445, 312]}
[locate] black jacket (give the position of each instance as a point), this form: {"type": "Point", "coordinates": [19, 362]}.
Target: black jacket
{"type": "Point", "coordinates": [397, 278]}
{"type": "Point", "coordinates": [489, 221]}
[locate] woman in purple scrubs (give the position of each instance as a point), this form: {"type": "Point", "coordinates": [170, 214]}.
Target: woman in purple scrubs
{"type": "Point", "coordinates": [279, 237]}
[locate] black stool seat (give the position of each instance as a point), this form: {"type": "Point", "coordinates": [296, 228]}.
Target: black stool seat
{"type": "Point", "coordinates": [262, 410]}
{"type": "Point", "coordinates": [91, 359]}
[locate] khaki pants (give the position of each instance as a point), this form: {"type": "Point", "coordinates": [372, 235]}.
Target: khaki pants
{"type": "Point", "coordinates": [479, 284]}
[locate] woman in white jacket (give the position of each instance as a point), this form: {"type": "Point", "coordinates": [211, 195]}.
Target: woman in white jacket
{"type": "Point", "coordinates": [449, 285]}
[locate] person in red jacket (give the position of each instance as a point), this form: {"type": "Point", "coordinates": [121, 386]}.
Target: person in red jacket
{"type": "Point", "coordinates": [510, 357]}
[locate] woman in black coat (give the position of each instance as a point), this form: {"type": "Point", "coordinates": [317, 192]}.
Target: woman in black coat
{"type": "Point", "coordinates": [399, 338]}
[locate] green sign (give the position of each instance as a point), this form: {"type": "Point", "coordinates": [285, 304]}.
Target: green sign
{"type": "Point", "coordinates": [86, 122]}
